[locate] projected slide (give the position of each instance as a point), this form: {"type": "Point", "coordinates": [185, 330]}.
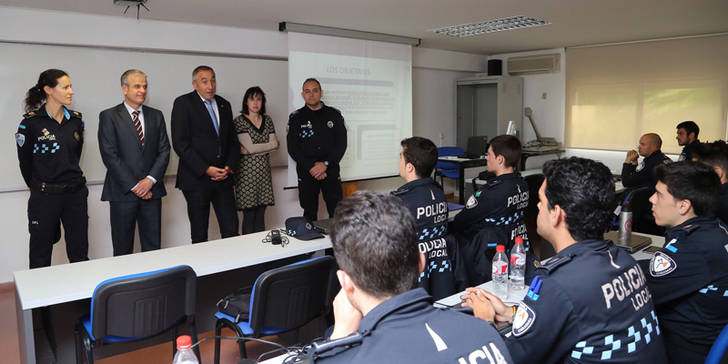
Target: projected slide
{"type": "Point", "coordinates": [373, 91]}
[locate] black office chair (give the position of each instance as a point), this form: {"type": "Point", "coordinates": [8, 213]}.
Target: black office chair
{"type": "Point", "coordinates": [282, 299]}
{"type": "Point", "coordinates": [138, 307]}
{"type": "Point", "coordinates": [642, 219]}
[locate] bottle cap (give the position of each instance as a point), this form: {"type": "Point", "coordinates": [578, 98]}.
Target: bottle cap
{"type": "Point", "coordinates": [184, 342]}
{"type": "Point", "coordinates": [500, 248]}
{"type": "Point", "coordinates": [518, 240]}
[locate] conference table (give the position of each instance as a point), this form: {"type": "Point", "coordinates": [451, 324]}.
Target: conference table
{"type": "Point", "coordinates": [60, 284]}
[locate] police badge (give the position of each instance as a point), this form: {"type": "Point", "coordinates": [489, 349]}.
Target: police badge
{"type": "Point", "coordinates": [20, 138]}
{"type": "Point", "coordinates": [523, 320]}
{"type": "Point", "coordinates": [330, 124]}
{"type": "Point", "coordinates": [45, 131]}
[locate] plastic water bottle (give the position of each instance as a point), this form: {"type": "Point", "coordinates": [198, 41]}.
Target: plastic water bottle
{"type": "Point", "coordinates": [185, 354]}
{"type": "Point", "coordinates": [500, 272]}
{"type": "Point", "coordinates": [518, 267]}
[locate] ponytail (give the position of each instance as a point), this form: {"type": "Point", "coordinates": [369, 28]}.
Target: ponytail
{"type": "Point", "coordinates": [36, 95]}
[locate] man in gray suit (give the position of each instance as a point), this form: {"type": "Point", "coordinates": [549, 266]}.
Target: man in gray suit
{"type": "Point", "coordinates": [135, 149]}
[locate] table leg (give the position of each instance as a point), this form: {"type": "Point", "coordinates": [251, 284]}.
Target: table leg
{"type": "Point", "coordinates": [26, 337]}
{"type": "Point", "coordinates": [461, 184]}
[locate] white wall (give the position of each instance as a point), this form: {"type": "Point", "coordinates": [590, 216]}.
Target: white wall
{"type": "Point", "coordinates": [434, 76]}
{"type": "Point", "coordinates": [548, 112]}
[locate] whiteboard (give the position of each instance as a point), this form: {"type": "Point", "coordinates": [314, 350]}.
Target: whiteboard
{"type": "Point", "coordinates": [95, 73]}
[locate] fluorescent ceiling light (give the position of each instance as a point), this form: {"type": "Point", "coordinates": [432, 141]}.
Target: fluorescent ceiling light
{"type": "Point", "coordinates": [490, 26]}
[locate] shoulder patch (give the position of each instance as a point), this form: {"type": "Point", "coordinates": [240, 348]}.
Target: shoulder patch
{"type": "Point", "coordinates": [523, 320]}
{"type": "Point", "coordinates": [20, 139]}
{"type": "Point", "coordinates": [472, 202]}
{"type": "Point", "coordinates": [661, 265]}
{"type": "Point", "coordinates": [29, 114]}
{"type": "Point", "coordinates": [75, 113]}
{"type": "Point", "coordinates": [552, 263]}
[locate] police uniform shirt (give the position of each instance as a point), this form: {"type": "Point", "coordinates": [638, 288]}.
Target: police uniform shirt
{"type": "Point", "coordinates": [316, 136]}
{"type": "Point", "coordinates": [645, 176]}
{"type": "Point", "coordinates": [501, 202]}
{"type": "Point", "coordinates": [49, 151]}
{"type": "Point", "coordinates": [688, 279]}
{"type": "Point", "coordinates": [426, 201]}
{"type": "Point", "coordinates": [588, 304]}
{"type": "Point", "coordinates": [408, 329]}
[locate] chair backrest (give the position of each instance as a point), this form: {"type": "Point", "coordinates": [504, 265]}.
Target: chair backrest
{"type": "Point", "coordinates": [717, 351]}
{"type": "Point", "coordinates": [144, 304]}
{"type": "Point", "coordinates": [292, 295]}
{"type": "Point", "coordinates": [446, 151]}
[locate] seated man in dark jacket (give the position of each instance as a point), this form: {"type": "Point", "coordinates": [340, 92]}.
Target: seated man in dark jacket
{"type": "Point", "coordinates": [642, 174]}
{"type": "Point", "coordinates": [443, 274]}
{"type": "Point", "coordinates": [688, 277]}
{"type": "Point", "coordinates": [380, 315]}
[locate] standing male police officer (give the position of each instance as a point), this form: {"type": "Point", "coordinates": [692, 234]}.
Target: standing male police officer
{"type": "Point", "coordinates": [499, 205]}
{"type": "Point", "coordinates": [688, 277]}
{"type": "Point", "coordinates": [426, 201]}
{"type": "Point", "coordinates": [380, 315]}
{"type": "Point", "coordinates": [317, 142]}
{"type": "Point", "coordinates": [589, 303]}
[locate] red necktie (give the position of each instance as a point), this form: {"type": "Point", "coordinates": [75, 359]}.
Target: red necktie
{"type": "Point", "coordinates": [138, 125]}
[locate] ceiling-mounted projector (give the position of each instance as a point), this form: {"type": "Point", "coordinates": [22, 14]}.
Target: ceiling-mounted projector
{"type": "Point", "coordinates": [129, 2]}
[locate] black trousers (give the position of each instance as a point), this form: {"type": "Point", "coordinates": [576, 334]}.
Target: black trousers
{"type": "Point", "coordinates": [254, 219]}
{"type": "Point", "coordinates": [124, 218]}
{"type": "Point", "coordinates": [45, 214]}
{"type": "Point", "coordinates": [308, 192]}
{"type": "Point", "coordinates": [221, 195]}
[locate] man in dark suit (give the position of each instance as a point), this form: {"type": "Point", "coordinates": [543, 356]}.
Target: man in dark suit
{"type": "Point", "coordinates": [208, 149]}
{"type": "Point", "coordinates": [135, 149]}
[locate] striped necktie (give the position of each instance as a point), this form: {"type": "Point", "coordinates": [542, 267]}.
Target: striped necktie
{"type": "Point", "coordinates": [138, 125]}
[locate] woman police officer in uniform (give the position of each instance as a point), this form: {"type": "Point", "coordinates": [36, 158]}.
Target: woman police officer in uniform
{"type": "Point", "coordinates": [49, 141]}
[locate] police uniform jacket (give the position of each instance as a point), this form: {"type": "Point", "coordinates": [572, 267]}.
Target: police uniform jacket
{"type": "Point", "coordinates": [631, 177]}
{"type": "Point", "coordinates": [48, 151]}
{"type": "Point", "coordinates": [722, 211]}
{"type": "Point", "coordinates": [426, 201]}
{"type": "Point", "coordinates": [688, 279]}
{"type": "Point", "coordinates": [408, 329]}
{"type": "Point", "coordinates": [501, 202]}
{"type": "Point", "coordinates": [588, 304]}
{"type": "Point", "coordinates": [316, 136]}
{"type": "Point", "coordinates": [687, 152]}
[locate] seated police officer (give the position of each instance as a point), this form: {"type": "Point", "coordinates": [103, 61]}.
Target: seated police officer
{"type": "Point", "coordinates": [426, 201]}
{"type": "Point", "coordinates": [715, 154]}
{"type": "Point", "coordinates": [589, 303]}
{"type": "Point", "coordinates": [642, 174]}
{"type": "Point", "coordinates": [500, 205]}
{"type": "Point", "coordinates": [688, 277]}
{"type": "Point", "coordinates": [380, 315]}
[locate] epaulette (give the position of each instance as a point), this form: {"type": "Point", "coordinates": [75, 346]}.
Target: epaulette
{"type": "Point", "coordinates": [400, 191]}
{"type": "Point", "coordinates": [552, 263]}
{"type": "Point", "coordinates": [75, 113]}
{"type": "Point", "coordinates": [29, 115]}
{"type": "Point", "coordinates": [291, 115]}
{"type": "Point", "coordinates": [335, 109]}
{"type": "Point", "coordinates": [490, 183]}
{"type": "Point", "coordinates": [689, 228]}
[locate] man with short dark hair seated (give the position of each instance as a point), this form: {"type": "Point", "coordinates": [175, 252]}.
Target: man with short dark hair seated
{"type": "Point", "coordinates": [426, 201]}
{"type": "Point", "coordinates": [589, 303]}
{"type": "Point", "coordinates": [715, 154]}
{"type": "Point", "coordinates": [687, 137]}
{"type": "Point", "coordinates": [688, 277]}
{"type": "Point", "coordinates": [649, 148]}
{"type": "Point", "coordinates": [380, 315]}
{"type": "Point", "coordinates": [499, 205]}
